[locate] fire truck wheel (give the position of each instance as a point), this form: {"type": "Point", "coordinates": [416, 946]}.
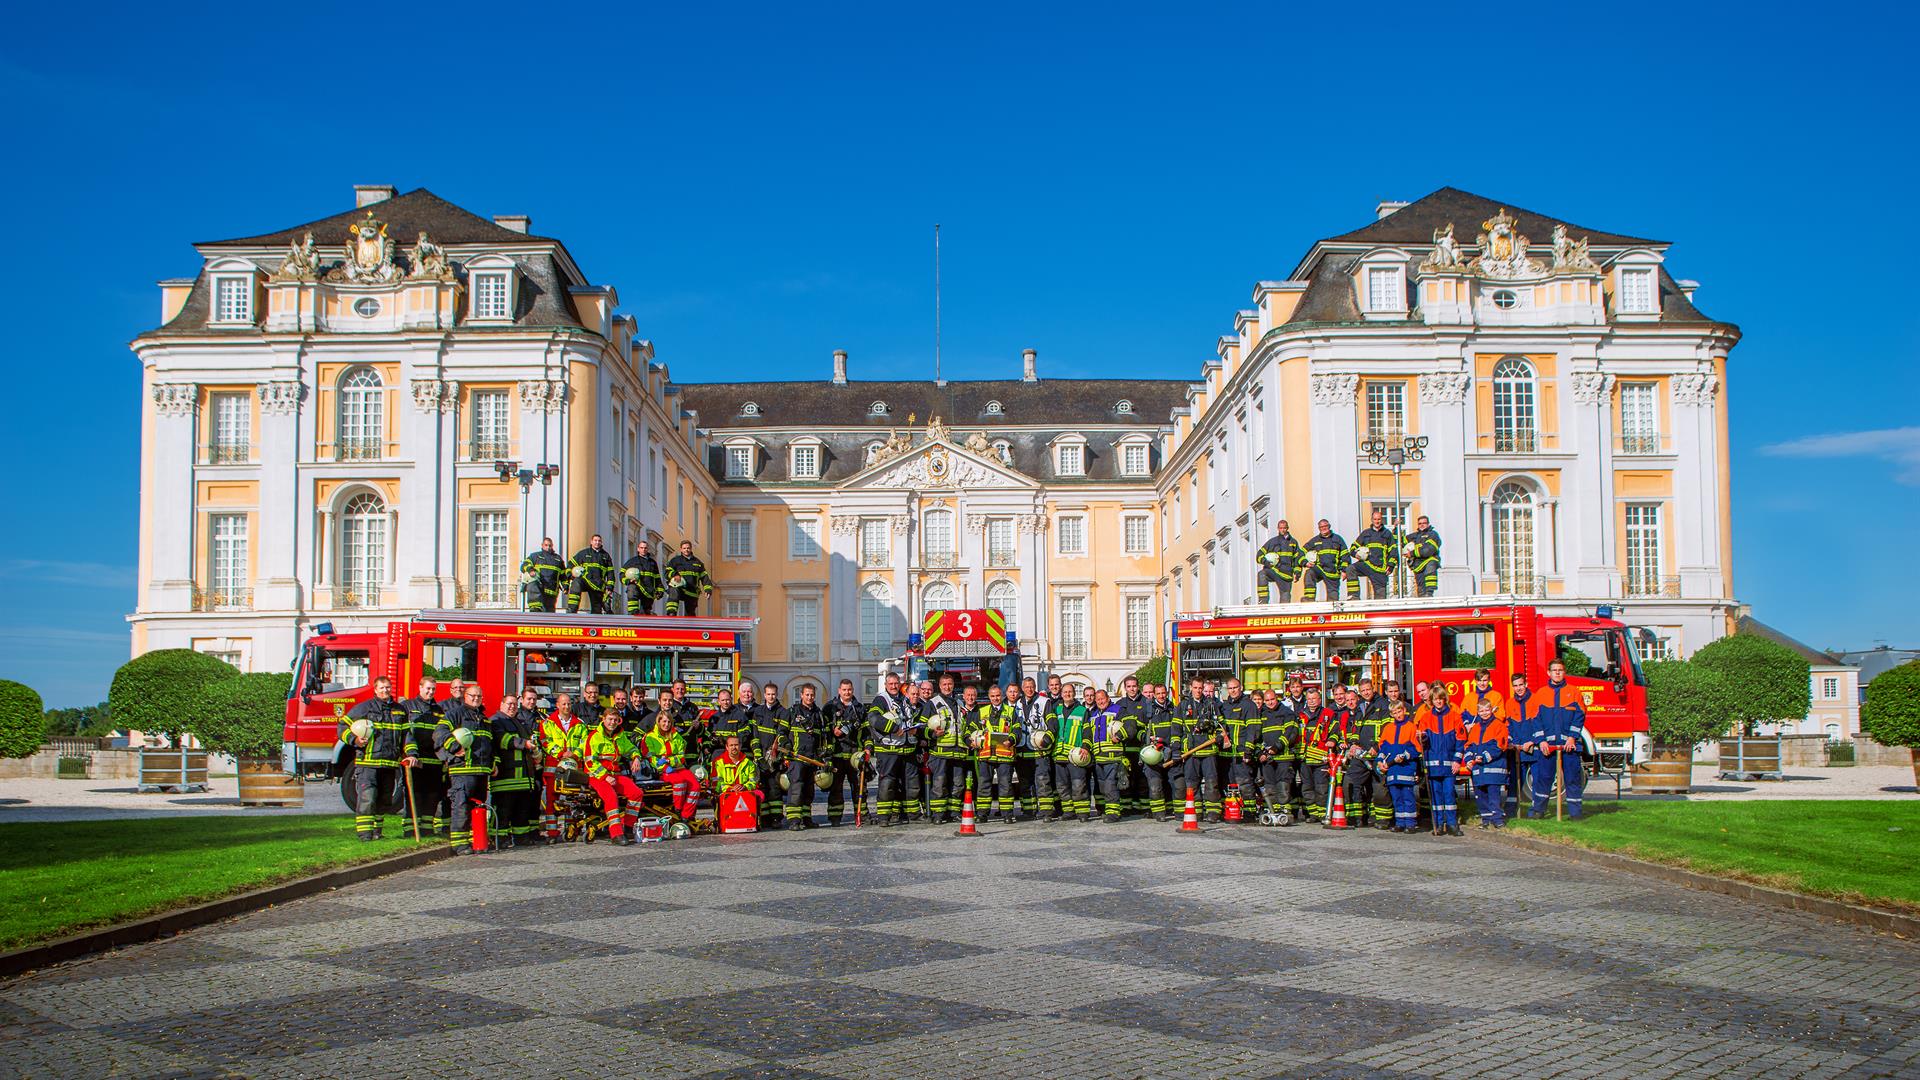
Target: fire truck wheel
{"type": "Point", "coordinates": [346, 787]}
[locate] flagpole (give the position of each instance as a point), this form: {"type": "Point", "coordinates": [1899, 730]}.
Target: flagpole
{"type": "Point", "coordinates": [936, 304]}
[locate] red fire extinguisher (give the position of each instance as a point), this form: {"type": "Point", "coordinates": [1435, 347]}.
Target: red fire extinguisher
{"type": "Point", "coordinates": [1232, 809]}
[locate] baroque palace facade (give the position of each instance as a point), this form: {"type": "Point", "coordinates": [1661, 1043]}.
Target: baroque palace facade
{"type": "Point", "coordinates": [327, 408]}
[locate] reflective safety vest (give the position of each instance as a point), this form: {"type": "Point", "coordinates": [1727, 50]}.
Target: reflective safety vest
{"type": "Point", "coordinates": [666, 751]}
{"type": "Point", "coordinates": [558, 735]}
{"type": "Point", "coordinates": [1000, 725]}
{"type": "Point", "coordinates": [1070, 730]}
{"type": "Point", "coordinates": [735, 774]}
{"type": "Point", "coordinates": [1110, 736]}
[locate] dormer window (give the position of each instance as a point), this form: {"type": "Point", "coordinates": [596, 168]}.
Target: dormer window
{"type": "Point", "coordinates": [490, 281]}
{"type": "Point", "coordinates": [1004, 451]}
{"type": "Point", "coordinates": [740, 459]}
{"type": "Point", "coordinates": [751, 408]}
{"type": "Point", "coordinates": [232, 299]}
{"type": "Point", "coordinates": [1380, 277]}
{"type": "Point", "coordinates": [1135, 457]}
{"type": "Point", "coordinates": [1070, 456]}
{"type": "Point", "coordinates": [1636, 291]}
{"type": "Point", "coordinates": [803, 460]}
{"type": "Point", "coordinates": [994, 408]}
{"type": "Point", "coordinates": [872, 451]}
{"type": "Point", "coordinates": [1124, 407]}
{"type": "Point", "coordinates": [878, 408]}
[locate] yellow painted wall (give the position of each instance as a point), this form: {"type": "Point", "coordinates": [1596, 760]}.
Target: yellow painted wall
{"type": "Point", "coordinates": [1549, 478]}
{"type": "Point", "coordinates": [583, 459]}
{"type": "Point", "coordinates": [1546, 401]}
{"type": "Point", "coordinates": [327, 405]}
{"type": "Point", "coordinates": [1298, 447]}
{"type": "Point", "coordinates": [224, 497]}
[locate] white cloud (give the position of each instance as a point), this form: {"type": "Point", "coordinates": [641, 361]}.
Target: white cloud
{"type": "Point", "coordinates": [1899, 447]}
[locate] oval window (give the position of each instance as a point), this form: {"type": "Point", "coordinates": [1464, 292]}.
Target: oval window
{"type": "Point", "coordinates": [366, 307]}
{"type": "Point", "coordinates": [1505, 298]}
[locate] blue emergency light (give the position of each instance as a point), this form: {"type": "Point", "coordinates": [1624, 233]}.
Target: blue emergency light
{"type": "Point", "coordinates": [914, 641]}
{"type": "Point", "coordinates": [1603, 612]}
{"type": "Point", "coordinates": [323, 629]}
{"type": "Point", "coordinates": [1013, 642]}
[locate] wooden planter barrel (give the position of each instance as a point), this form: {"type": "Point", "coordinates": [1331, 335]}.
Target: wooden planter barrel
{"type": "Point", "coordinates": [1750, 757]}
{"type": "Point", "coordinates": [1668, 770]}
{"type": "Point", "coordinates": [264, 783]}
{"type": "Point", "coordinates": [173, 770]}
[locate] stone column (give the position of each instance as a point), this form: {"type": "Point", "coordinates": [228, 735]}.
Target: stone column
{"type": "Point", "coordinates": [170, 585]}
{"type": "Point", "coordinates": [1336, 444]}
{"type": "Point", "coordinates": [1447, 493]}
{"type": "Point", "coordinates": [1035, 580]}
{"type": "Point", "coordinates": [1587, 489]}
{"type": "Point", "coordinates": [843, 563]}
{"type": "Point", "coordinates": [423, 554]}
{"type": "Point", "coordinates": [900, 527]}
{"type": "Point", "coordinates": [276, 556]}
{"type": "Point", "coordinates": [1694, 512]}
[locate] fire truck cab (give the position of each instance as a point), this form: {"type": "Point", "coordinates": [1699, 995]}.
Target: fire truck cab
{"type": "Point", "coordinates": [1422, 640]}
{"type": "Point", "coordinates": [503, 652]}
{"type": "Point", "coordinates": [971, 644]}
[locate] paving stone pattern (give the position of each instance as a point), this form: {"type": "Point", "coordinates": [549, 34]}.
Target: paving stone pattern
{"type": "Point", "coordinates": [1033, 951]}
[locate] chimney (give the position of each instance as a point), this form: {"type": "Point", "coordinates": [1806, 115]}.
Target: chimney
{"type": "Point", "coordinates": [1687, 286]}
{"type": "Point", "coordinates": [517, 222]}
{"type": "Point", "coordinates": [839, 367]}
{"type": "Point", "coordinates": [365, 195]}
{"type": "Point", "coordinates": [1386, 208]}
{"type": "Point", "coordinates": [1028, 372]}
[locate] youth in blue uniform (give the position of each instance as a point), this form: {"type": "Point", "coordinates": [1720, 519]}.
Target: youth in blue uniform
{"type": "Point", "coordinates": [1398, 752]}
{"type": "Point", "coordinates": [1486, 752]}
{"type": "Point", "coordinates": [1443, 739]}
{"type": "Point", "coordinates": [1559, 721]}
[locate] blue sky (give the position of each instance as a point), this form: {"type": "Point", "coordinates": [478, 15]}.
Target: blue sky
{"type": "Point", "coordinates": [761, 188]}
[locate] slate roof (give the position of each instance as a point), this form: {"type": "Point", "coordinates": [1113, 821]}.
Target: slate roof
{"type": "Point", "coordinates": [406, 215]}
{"type": "Point", "coordinates": [1029, 451]}
{"type": "Point", "coordinates": [1062, 403]}
{"type": "Point", "coordinates": [1415, 222]}
{"type": "Point", "coordinates": [1747, 624]}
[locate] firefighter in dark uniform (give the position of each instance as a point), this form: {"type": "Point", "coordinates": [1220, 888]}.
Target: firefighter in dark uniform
{"type": "Point", "coordinates": [1136, 711]}
{"type": "Point", "coordinates": [591, 571]}
{"type": "Point", "coordinates": [1375, 555]}
{"type": "Point", "coordinates": [895, 747]}
{"type": "Point", "coordinates": [1324, 552]}
{"type": "Point", "coordinates": [1244, 720]}
{"type": "Point", "coordinates": [429, 776]}
{"type": "Point", "coordinates": [1321, 737]}
{"type": "Point", "coordinates": [993, 731]}
{"type": "Point", "coordinates": [1423, 557]}
{"type": "Point", "coordinates": [386, 748]}
{"type": "Point", "coordinates": [1197, 734]}
{"type": "Point", "coordinates": [1368, 801]}
{"type": "Point", "coordinates": [1280, 742]}
{"type": "Point", "coordinates": [731, 718]}
{"type": "Point", "coordinates": [803, 735]}
{"type": "Point", "coordinates": [846, 720]}
{"type": "Point", "coordinates": [694, 582]}
{"type": "Point", "coordinates": [949, 759]}
{"type": "Point", "coordinates": [768, 718]}
{"type": "Point", "coordinates": [1035, 766]}
{"type": "Point", "coordinates": [642, 576]}
{"type": "Point", "coordinates": [540, 574]}
{"type": "Point", "coordinates": [469, 763]}
{"type": "Point", "coordinates": [1277, 563]}
{"type": "Point", "coordinates": [513, 728]}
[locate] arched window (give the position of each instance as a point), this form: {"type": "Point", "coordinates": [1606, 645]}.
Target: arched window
{"type": "Point", "coordinates": [878, 408]}
{"type": "Point", "coordinates": [1004, 451]}
{"type": "Point", "coordinates": [1124, 407]}
{"type": "Point", "coordinates": [1004, 597]}
{"type": "Point", "coordinates": [876, 620]}
{"type": "Point", "coordinates": [1513, 538]}
{"type": "Point", "coordinates": [363, 551]}
{"type": "Point", "coordinates": [872, 450]}
{"type": "Point", "coordinates": [751, 408]}
{"type": "Point", "coordinates": [994, 408]}
{"type": "Point", "coordinates": [363, 416]}
{"type": "Point", "coordinates": [938, 596]}
{"type": "Point", "coordinates": [1513, 405]}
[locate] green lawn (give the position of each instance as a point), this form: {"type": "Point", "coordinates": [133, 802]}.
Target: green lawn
{"type": "Point", "coordinates": [1856, 850]}
{"type": "Point", "coordinates": [60, 877]}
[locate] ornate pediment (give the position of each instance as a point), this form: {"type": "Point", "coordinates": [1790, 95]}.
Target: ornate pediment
{"type": "Point", "coordinates": [1504, 250]}
{"type": "Point", "coordinates": [939, 465]}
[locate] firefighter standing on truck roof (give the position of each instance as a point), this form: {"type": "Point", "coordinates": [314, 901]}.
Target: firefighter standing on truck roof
{"type": "Point", "coordinates": [379, 754]}
{"type": "Point", "coordinates": [1276, 564]}
{"type": "Point", "coordinates": [430, 791]}
{"type": "Point", "coordinates": [1423, 557]}
{"type": "Point", "coordinates": [540, 574]}
{"type": "Point", "coordinates": [590, 574]}
{"type": "Point", "coordinates": [642, 576]}
{"type": "Point", "coordinates": [1324, 552]}
{"type": "Point", "coordinates": [1374, 557]}
{"type": "Point", "coordinates": [686, 567]}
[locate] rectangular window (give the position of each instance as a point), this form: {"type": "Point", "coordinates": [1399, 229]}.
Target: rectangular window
{"type": "Point", "coordinates": [803, 628]}
{"type": "Point", "coordinates": [233, 299]}
{"type": "Point", "coordinates": [1636, 291]}
{"type": "Point", "coordinates": [1071, 460]}
{"type": "Point", "coordinates": [1383, 289]}
{"type": "Point", "coordinates": [490, 585]}
{"type": "Point", "coordinates": [1193, 500]}
{"type": "Point", "coordinates": [490, 296]}
{"type": "Point", "coordinates": [490, 426]}
{"type": "Point", "coordinates": [1643, 549]}
{"type": "Point", "coordinates": [806, 462]}
{"type": "Point", "coordinates": [739, 538]}
{"type": "Point", "coordinates": [876, 548]}
{"type": "Point", "coordinates": [1000, 551]}
{"type": "Point", "coordinates": [1133, 459]}
{"type": "Point", "coordinates": [1829, 688]}
{"type": "Point", "coordinates": [803, 538]}
{"type": "Point", "coordinates": [936, 539]}
{"type": "Point", "coordinates": [227, 561]}
{"type": "Point", "coordinates": [1396, 515]}
{"type": "Point", "coordinates": [658, 470]}
{"type": "Point", "coordinates": [1136, 534]}
{"type": "Point", "coordinates": [741, 609]}
{"type": "Point", "coordinates": [1639, 418]}
{"type": "Point", "coordinates": [680, 505]}
{"type": "Point", "coordinates": [1386, 410]}
{"type": "Point", "coordinates": [1139, 628]}
{"type": "Point", "coordinates": [739, 462]}
{"type": "Point", "coordinates": [1072, 529]}
{"type": "Point", "coordinates": [232, 428]}
{"type": "Point", "coordinates": [1073, 628]}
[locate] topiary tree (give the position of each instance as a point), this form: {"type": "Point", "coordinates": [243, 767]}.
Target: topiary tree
{"type": "Point", "coordinates": [1153, 671]}
{"type": "Point", "coordinates": [244, 716]}
{"type": "Point", "coordinates": [1891, 713]}
{"type": "Point", "coordinates": [158, 692]}
{"type": "Point", "coordinates": [23, 719]}
{"type": "Point", "coordinates": [1770, 681]}
{"type": "Point", "coordinates": [1686, 704]}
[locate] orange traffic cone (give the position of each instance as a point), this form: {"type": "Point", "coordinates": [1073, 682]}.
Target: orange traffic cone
{"type": "Point", "coordinates": [1190, 821]}
{"type": "Point", "coordinates": [1338, 819]}
{"type": "Point", "coordinates": [966, 816]}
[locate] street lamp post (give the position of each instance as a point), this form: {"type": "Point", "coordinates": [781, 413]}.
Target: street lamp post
{"type": "Point", "coordinates": [1395, 454]}
{"type": "Point", "coordinates": [525, 476]}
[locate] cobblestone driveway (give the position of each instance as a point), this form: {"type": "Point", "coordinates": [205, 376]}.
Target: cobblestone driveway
{"type": "Point", "coordinates": [1036, 951]}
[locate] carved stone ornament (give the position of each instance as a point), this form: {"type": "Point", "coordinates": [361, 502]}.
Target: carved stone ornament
{"type": "Point", "coordinates": [899, 523]}
{"type": "Point", "coordinates": [979, 444]}
{"type": "Point", "coordinates": [1503, 251]}
{"type": "Point", "coordinates": [281, 398]}
{"type": "Point", "coordinates": [977, 523]}
{"type": "Point", "coordinates": [369, 258]}
{"type": "Point", "coordinates": [939, 469]}
{"type": "Point", "coordinates": [896, 445]}
{"type": "Point", "coordinates": [301, 263]}
{"type": "Point", "coordinates": [1445, 388]}
{"type": "Point", "coordinates": [429, 261]}
{"type": "Point", "coordinates": [1334, 389]}
{"type": "Point", "coordinates": [1570, 255]}
{"type": "Point", "coordinates": [1591, 387]}
{"type": "Point", "coordinates": [1446, 251]}
{"type": "Point", "coordinates": [845, 524]}
{"type": "Point", "coordinates": [1033, 523]}
{"type": "Point", "coordinates": [175, 399]}
{"type": "Point", "coordinates": [435, 395]}
{"type": "Point", "coordinates": [549, 395]}
{"type": "Point", "coordinates": [1695, 389]}
{"type": "Point", "coordinates": [937, 431]}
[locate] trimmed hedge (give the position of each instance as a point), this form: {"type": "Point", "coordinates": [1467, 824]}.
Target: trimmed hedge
{"type": "Point", "coordinates": [1153, 671]}
{"type": "Point", "coordinates": [1891, 713]}
{"type": "Point", "coordinates": [158, 692]}
{"type": "Point", "coordinates": [1686, 704]}
{"type": "Point", "coordinates": [243, 716]}
{"type": "Point", "coordinates": [23, 719]}
{"type": "Point", "coordinates": [1770, 680]}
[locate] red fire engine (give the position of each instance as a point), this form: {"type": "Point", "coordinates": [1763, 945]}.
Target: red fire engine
{"type": "Point", "coordinates": [971, 644]}
{"type": "Point", "coordinates": [1423, 640]}
{"type": "Point", "coordinates": [503, 652]}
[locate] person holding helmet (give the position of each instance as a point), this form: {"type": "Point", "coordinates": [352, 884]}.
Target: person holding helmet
{"type": "Point", "coordinates": [1324, 553]}
{"type": "Point", "coordinates": [1423, 557]}
{"type": "Point", "coordinates": [895, 746]}
{"type": "Point", "coordinates": [605, 748]}
{"type": "Point", "coordinates": [515, 728]}
{"type": "Point", "coordinates": [666, 750]}
{"type": "Point", "coordinates": [464, 739]}
{"type": "Point", "coordinates": [1277, 563]}
{"type": "Point", "coordinates": [540, 575]}
{"type": "Point", "coordinates": [430, 791]}
{"type": "Point", "coordinates": [591, 571]}
{"type": "Point", "coordinates": [768, 718]}
{"type": "Point", "coordinates": [1072, 750]}
{"type": "Point", "coordinates": [949, 757]}
{"type": "Point", "coordinates": [1280, 742]}
{"type": "Point", "coordinates": [382, 740]}
{"type": "Point", "coordinates": [687, 581]}
{"type": "Point", "coordinates": [992, 731]}
{"type": "Point", "coordinates": [1156, 747]}
{"type": "Point", "coordinates": [846, 725]}
{"type": "Point", "coordinates": [1197, 734]}
{"type": "Point", "coordinates": [1375, 555]}
{"type": "Point", "coordinates": [1035, 765]}
{"type": "Point", "coordinates": [1323, 736]}
{"type": "Point", "coordinates": [1109, 739]}
{"type": "Point", "coordinates": [642, 576]}
{"type": "Point", "coordinates": [1241, 743]}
